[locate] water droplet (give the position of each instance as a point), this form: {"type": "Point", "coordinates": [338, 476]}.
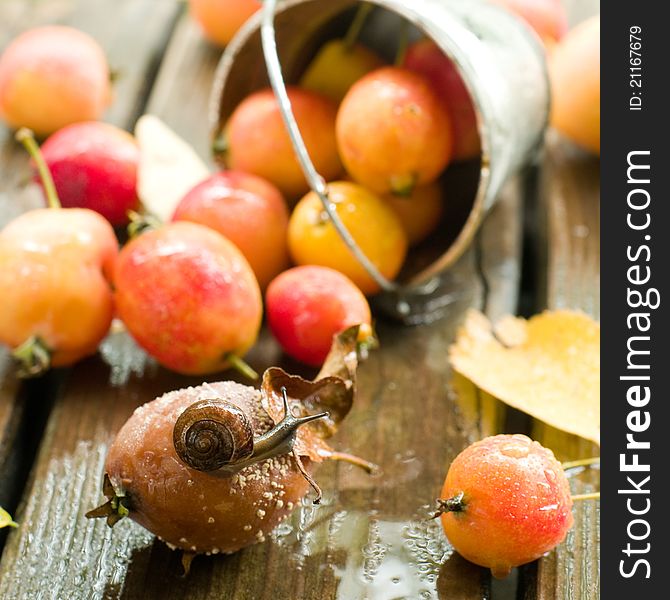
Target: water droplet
{"type": "Point", "coordinates": [515, 450]}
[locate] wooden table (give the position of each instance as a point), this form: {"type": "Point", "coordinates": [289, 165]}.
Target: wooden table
{"type": "Point", "coordinates": [370, 538]}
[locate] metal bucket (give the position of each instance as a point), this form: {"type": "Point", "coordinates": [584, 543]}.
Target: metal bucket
{"type": "Point", "coordinates": [499, 58]}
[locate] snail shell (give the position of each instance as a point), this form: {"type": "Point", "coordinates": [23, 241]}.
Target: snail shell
{"type": "Point", "coordinates": [213, 433]}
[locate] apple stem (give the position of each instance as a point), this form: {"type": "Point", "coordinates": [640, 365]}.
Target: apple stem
{"type": "Point", "coordinates": [585, 462]}
{"type": "Point", "coordinates": [453, 504]}
{"type": "Point", "coordinates": [27, 138]}
{"type": "Point", "coordinates": [241, 366]}
{"type": "Point", "coordinates": [592, 496]}
{"type": "Point", "coordinates": [352, 459]}
{"type": "Point", "coordinates": [356, 26]}
{"type": "Point", "coordinates": [6, 519]}
{"type": "Point", "coordinates": [141, 223]}
{"type": "Point", "coordinates": [403, 42]}
{"type": "Point", "coordinates": [34, 357]}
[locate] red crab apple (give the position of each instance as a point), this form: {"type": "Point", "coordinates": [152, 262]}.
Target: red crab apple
{"type": "Point", "coordinates": [505, 502]}
{"type": "Point", "coordinates": [249, 211]}
{"type": "Point", "coordinates": [220, 19]}
{"type": "Point", "coordinates": [426, 57]}
{"type": "Point", "coordinates": [189, 297]}
{"type": "Point", "coordinates": [55, 294]}
{"type": "Point", "coordinates": [94, 165]}
{"type": "Point", "coordinates": [307, 306]}
{"type": "Point", "coordinates": [393, 131]}
{"type": "Point", "coordinates": [257, 141]}
{"type": "Point", "coordinates": [53, 76]}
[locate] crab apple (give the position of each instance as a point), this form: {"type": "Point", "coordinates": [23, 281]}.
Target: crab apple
{"type": "Point", "coordinates": [505, 502]}
{"type": "Point", "coordinates": [420, 212]}
{"type": "Point", "coordinates": [54, 286]}
{"type": "Point", "coordinates": [220, 19]}
{"type": "Point", "coordinates": [249, 211]}
{"type": "Point", "coordinates": [197, 511]}
{"type": "Point", "coordinates": [215, 468]}
{"type": "Point", "coordinates": [575, 76]}
{"type": "Point", "coordinates": [188, 297]}
{"type": "Point", "coordinates": [393, 131]}
{"type": "Point", "coordinates": [51, 77]}
{"type": "Point", "coordinates": [337, 66]}
{"type": "Point", "coordinates": [306, 306]}
{"type": "Point", "coordinates": [313, 239]}
{"type": "Point", "coordinates": [257, 141]}
{"type": "Point", "coordinates": [547, 17]}
{"type": "Point", "coordinates": [94, 165]}
{"type": "Point", "coordinates": [55, 293]}
{"type": "Point", "coordinates": [426, 58]}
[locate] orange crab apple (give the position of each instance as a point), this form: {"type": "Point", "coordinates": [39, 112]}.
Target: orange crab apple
{"type": "Point", "coordinates": [220, 19]}
{"type": "Point", "coordinates": [313, 239]}
{"type": "Point", "coordinates": [257, 141]}
{"type": "Point", "coordinates": [505, 502]}
{"type": "Point", "coordinates": [51, 77]}
{"type": "Point", "coordinates": [393, 131]}
{"type": "Point", "coordinates": [575, 78]}
{"type": "Point", "coordinates": [420, 212]}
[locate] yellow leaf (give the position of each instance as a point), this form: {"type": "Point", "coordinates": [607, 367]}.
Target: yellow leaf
{"type": "Point", "coordinates": [548, 366]}
{"type": "Point", "coordinates": [6, 519]}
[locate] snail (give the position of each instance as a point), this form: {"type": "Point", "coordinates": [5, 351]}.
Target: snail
{"type": "Point", "coordinates": [214, 468]}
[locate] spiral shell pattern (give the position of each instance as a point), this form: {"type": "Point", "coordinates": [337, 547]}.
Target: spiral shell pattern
{"type": "Point", "coordinates": [211, 434]}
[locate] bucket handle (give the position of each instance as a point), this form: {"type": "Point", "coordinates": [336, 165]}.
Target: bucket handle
{"type": "Point", "coordinates": [315, 180]}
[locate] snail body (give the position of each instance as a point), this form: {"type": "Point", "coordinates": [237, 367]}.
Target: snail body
{"type": "Point", "coordinates": [189, 508]}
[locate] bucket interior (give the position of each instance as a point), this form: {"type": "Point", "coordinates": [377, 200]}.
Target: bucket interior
{"type": "Point", "coordinates": [301, 29]}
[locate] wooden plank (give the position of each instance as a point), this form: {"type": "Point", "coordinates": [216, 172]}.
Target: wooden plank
{"type": "Point", "coordinates": [133, 33]}
{"type": "Point", "coordinates": [570, 197]}
{"type": "Point", "coordinates": [369, 535]}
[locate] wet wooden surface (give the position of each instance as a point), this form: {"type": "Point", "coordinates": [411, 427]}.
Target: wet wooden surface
{"type": "Point", "coordinates": [370, 537]}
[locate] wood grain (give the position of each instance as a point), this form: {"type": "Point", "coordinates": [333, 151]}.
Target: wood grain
{"type": "Point", "coordinates": [570, 201]}
{"type": "Point", "coordinates": [369, 537]}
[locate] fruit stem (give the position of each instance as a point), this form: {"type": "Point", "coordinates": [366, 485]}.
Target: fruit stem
{"type": "Point", "coordinates": [27, 138]}
{"type": "Point", "coordinates": [6, 519]}
{"type": "Point", "coordinates": [592, 496]}
{"type": "Point", "coordinates": [366, 465]}
{"type": "Point", "coordinates": [453, 504]}
{"type": "Point", "coordinates": [585, 462]}
{"type": "Point", "coordinates": [241, 366]}
{"type": "Point", "coordinates": [356, 26]}
{"type": "Point", "coordinates": [34, 357]}
{"type": "Point", "coordinates": [403, 42]}
{"type": "Point", "coordinates": [141, 223]}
